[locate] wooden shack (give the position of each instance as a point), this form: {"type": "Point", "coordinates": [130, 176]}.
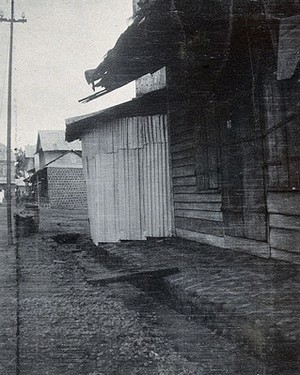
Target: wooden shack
{"type": "Point", "coordinates": [232, 78]}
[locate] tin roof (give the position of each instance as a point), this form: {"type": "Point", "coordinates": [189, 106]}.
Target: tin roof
{"type": "Point", "coordinates": [148, 104]}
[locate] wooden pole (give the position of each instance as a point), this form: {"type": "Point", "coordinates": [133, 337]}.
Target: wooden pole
{"type": "Point", "coordinates": [11, 20]}
{"type": "Point", "coordinates": [9, 101]}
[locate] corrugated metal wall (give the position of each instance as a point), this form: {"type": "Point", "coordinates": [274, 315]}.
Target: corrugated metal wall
{"type": "Point", "coordinates": [126, 164]}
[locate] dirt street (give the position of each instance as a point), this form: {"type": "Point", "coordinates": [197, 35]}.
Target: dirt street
{"type": "Point", "coordinates": [67, 326]}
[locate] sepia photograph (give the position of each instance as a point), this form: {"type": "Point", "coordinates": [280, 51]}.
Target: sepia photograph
{"type": "Point", "coordinates": [149, 187]}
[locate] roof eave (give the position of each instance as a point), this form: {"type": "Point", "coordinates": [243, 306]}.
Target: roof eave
{"type": "Point", "coordinates": [147, 45]}
{"type": "Point", "coordinates": [149, 104]}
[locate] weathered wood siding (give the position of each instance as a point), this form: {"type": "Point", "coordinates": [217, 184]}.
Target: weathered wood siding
{"type": "Point", "coordinates": [282, 146]}
{"type": "Point", "coordinates": [243, 181]}
{"type": "Point", "coordinates": [242, 118]}
{"type": "Point", "coordinates": [217, 152]}
{"type": "Point", "coordinates": [197, 211]}
{"type": "Point", "coordinates": [282, 143]}
{"type": "Point", "coordinates": [284, 218]}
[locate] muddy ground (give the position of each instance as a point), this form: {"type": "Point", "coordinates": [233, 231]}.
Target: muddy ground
{"type": "Point", "coordinates": [68, 326]}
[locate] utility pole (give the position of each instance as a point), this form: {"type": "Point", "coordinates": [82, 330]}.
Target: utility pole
{"type": "Point", "coordinates": [11, 20]}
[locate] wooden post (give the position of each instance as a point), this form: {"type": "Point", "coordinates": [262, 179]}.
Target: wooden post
{"type": "Point", "coordinates": [11, 20]}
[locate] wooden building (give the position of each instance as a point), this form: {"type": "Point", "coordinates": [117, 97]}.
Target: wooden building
{"type": "Point", "coordinates": [232, 79]}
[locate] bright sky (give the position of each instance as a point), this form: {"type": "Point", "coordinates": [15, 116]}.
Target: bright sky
{"type": "Point", "coordinates": [61, 39]}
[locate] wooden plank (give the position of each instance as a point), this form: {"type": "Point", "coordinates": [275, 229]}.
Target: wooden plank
{"type": "Point", "coordinates": [206, 215]}
{"type": "Point", "coordinates": [184, 181]}
{"type": "Point", "coordinates": [184, 171]}
{"type": "Point", "coordinates": [125, 275]}
{"type": "Point", "coordinates": [184, 136]}
{"type": "Point", "coordinates": [294, 168]}
{"type": "Point", "coordinates": [234, 223]}
{"type": "Point", "coordinates": [283, 221]}
{"type": "Point", "coordinates": [201, 237]}
{"type": "Point", "coordinates": [293, 136]}
{"type": "Point", "coordinates": [278, 177]}
{"type": "Point", "coordinates": [285, 203]}
{"type": "Point", "coordinates": [200, 225]}
{"type": "Point", "coordinates": [181, 128]}
{"type": "Point", "coordinates": [286, 256]}
{"type": "Point", "coordinates": [207, 154]}
{"type": "Point", "coordinates": [183, 146]}
{"type": "Point", "coordinates": [183, 154]}
{"type": "Point", "coordinates": [213, 136]}
{"type": "Point", "coordinates": [215, 207]}
{"type": "Point", "coordinates": [185, 189]}
{"type": "Point", "coordinates": [284, 239]}
{"type": "Point", "coordinates": [183, 162]}
{"type": "Point", "coordinates": [205, 198]}
{"type": "Point", "coordinates": [258, 248]}
{"type": "Point", "coordinates": [180, 124]}
{"type": "Point", "coordinates": [255, 225]}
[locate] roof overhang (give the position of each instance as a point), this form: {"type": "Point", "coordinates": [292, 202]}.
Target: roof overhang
{"type": "Point", "coordinates": [149, 104]}
{"type": "Point", "coordinates": [197, 33]}
{"type": "Point", "coordinates": [146, 46]}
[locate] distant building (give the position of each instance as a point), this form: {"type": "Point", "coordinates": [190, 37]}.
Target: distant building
{"type": "Point", "coordinates": [3, 167]}
{"type": "Point", "coordinates": [58, 180]}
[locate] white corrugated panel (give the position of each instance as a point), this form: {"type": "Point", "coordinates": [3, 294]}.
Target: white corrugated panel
{"type": "Point", "coordinates": [87, 144]}
{"type": "Point", "coordinates": [156, 179]}
{"type": "Point", "coordinates": [89, 167]}
{"type": "Point", "coordinates": [128, 197]}
{"type": "Point", "coordinates": [128, 179]}
{"type": "Point", "coordinates": [107, 215]}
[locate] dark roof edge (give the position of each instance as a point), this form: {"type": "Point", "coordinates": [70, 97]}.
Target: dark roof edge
{"type": "Point", "coordinates": [149, 104]}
